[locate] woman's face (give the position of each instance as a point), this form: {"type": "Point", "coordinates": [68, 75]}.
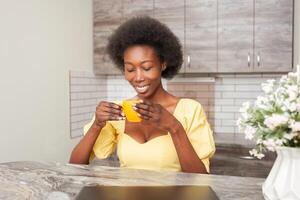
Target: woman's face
{"type": "Point", "coordinates": [142, 68]}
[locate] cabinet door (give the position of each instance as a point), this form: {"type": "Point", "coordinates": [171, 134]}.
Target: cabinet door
{"type": "Point", "coordinates": [273, 35]}
{"type": "Point", "coordinates": [107, 14]}
{"type": "Point", "coordinates": [107, 17]}
{"type": "Point", "coordinates": [235, 36]}
{"type": "Point", "coordinates": [102, 62]}
{"type": "Point", "coordinates": [133, 8]}
{"type": "Point", "coordinates": [171, 13]}
{"type": "Point", "coordinates": [201, 35]}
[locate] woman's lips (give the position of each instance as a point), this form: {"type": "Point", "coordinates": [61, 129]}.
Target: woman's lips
{"type": "Point", "coordinates": [142, 89]}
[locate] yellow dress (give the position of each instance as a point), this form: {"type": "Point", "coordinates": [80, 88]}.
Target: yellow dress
{"type": "Point", "coordinates": [159, 153]}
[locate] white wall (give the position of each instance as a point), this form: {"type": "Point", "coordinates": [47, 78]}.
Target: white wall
{"type": "Point", "coordinates": [297, 33]}
{"type": "Point", "coordinates": [40, 41]}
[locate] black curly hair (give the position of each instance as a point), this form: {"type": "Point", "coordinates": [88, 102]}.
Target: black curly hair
{"type": "Point", "coordinates": [148, 31]}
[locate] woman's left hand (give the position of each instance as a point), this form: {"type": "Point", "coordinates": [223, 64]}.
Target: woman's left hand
{"type": "Point", "coordinates": [155, 114]}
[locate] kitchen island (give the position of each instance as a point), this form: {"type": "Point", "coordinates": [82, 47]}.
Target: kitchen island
{"type": "Point", "coordinates": [55, 181]}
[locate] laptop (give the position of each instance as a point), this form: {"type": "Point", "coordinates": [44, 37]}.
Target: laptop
{"type": "Point", "coordinates": [184, 192]}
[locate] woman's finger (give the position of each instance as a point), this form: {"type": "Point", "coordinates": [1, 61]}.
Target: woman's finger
{"type": "Point", "coordinates": [143, 112]}
{"type": "Point", "coordinates": [109, 105]}
{"type": "Point", "coordinates": [145, 117]}
{"type": "Point", "coordinates": [111, 117]}
{"type": "Point", "coordinates": [142, 106]}
{"type": "Point", "coordinates": [112, 110]}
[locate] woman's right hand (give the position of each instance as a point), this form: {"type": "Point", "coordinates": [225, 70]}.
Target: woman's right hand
{"type": "Point", "coordinates": [107, 111]}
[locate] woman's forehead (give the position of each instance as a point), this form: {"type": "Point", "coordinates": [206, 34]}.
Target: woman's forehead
{"type": "Point", "coordinates": [140, 52]}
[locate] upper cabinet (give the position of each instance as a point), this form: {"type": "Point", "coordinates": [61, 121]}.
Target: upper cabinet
{"type": "Point", "coordinates": [273, 47]}
{"type": "Point", "coordinates": [107, 14]}
{"type": "Point", "coordinates": [255, 35]}
{"type": "Point", "coordinates": [107, 17]}
{"type": "Point", "coordinates": [201, 36]}
{"type": "Point", "coordinates": [172, 13]}
{"type": "Point", "coordinates": [102, 62]}
{"type": "Point", "coordinates": [235, 35]}
{"type": "Point", "coordinates": [132, 8]}
{"type": "Point", "coordinates": [217, 36]}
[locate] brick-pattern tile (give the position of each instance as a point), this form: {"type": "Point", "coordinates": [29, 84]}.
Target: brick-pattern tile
{"type": "Point", "coordinates": [85, 90]}
{"type": "Point", "coordinates": [221, 100]}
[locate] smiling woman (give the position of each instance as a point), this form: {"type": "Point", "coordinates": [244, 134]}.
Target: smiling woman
{"type": "Point", "coordinates": [174, 134]}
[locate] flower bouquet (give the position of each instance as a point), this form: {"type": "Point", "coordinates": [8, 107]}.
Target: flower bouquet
{"type": "Point", "coordinates": [274, 118]}
{"type": "Point", "coordinates": [273, 121]}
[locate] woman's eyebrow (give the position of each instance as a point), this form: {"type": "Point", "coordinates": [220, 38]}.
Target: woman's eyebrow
{"type": "Point", "coordinates": [146, 61]}
{"type": "Point", "coordinates": [127, 62]}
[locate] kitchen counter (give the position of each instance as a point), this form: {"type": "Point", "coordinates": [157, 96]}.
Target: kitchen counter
{"type": "Point", "coordinates": [232, 157]}
{"type": "Point", "coordinates": [235, 160]}
{"type": "Point", "coordinates": [55, 181]}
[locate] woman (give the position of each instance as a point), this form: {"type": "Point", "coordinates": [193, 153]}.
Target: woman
{"type": "Point", "coordinates": [174, 134]}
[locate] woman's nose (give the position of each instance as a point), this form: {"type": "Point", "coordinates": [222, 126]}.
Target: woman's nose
{"type": "Point", "coordinates": [139, 76]}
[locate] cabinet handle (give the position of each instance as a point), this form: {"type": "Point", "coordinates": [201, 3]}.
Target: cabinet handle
{"type": "Point", "coordinates": [189, 61]}
{"type": "Point", "coordinates": [249, 61]}
{"type": "Point", "coordinates": [258, 60]}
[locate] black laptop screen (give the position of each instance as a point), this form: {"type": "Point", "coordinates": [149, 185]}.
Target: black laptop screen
{"type": "Point", "coordinates": [147, 193]}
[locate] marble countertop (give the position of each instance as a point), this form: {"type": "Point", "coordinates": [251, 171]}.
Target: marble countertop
{"type": "Point", "coordinates": [55, 181]}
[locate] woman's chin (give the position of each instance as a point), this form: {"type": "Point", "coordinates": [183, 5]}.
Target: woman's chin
{"type": "Point", "coordinates": [145, 95]}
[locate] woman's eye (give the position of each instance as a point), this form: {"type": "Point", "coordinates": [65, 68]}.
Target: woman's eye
{"type": "Point", "coordinates": [129, 70]}
{"type": "Point", "coordinates": [147, 68]}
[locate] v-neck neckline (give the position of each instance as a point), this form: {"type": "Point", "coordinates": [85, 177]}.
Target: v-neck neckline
{"type": "Point", "coordinates": [174, 114]}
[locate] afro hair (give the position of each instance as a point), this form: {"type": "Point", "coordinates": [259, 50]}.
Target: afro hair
{"type": "Point", "coordinates": [145, 30]}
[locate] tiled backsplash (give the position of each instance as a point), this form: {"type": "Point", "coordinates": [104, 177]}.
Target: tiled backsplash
{"type": "Point", "coordinates": [86, 90]}
{"type": "Point", "coordinates": [223, 98]}
{"type": "Point", "coordinates": [220, 99]}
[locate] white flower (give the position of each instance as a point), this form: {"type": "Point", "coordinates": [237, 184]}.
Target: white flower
{"type": "Point", "coordinates": [275, 120]}
{"type": "Point", "coordinates": [268, 86]}
{"type": "Point", "coordinates": [295, 126]}
{"type": "Point", "coordinates": [283, 79]}
{"type": "Point", "coordinates": [270, 144]}
{"type": "Point", "coordinates": [271, 81]}
{"type": "Point", "coordinates": [290, 136]}
{"type": "Point", "coordinates": [262, 103]}
{"type": "Point", "coordinates": [298, 106]}
{"type": "Point", "coordinates": [238, 121]}
{"type": "Point", "coordinates": [278, 142]}
{"type": "Point", "coordinates": [292, 107]}
{"type": "Point", "coordinates": [254, 152]}
{"type": "Point", "coordinates": [259, 141]}
{"type": "Point", "coordinates": [292, 91]}
{"type": "Point", "coordinates": [245, 107]}
{"type": "Point", "coordinates": [292, 75]}
{"type": "Point", "coordinates": [240, 124]}
{"type": "Point", "coordinates": [246, 116]}
{"type": "Point", "coordinates": [249, 132]}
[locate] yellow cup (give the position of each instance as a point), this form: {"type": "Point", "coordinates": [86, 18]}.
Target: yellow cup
{"type": "Point", "coordinates": [130, 114]}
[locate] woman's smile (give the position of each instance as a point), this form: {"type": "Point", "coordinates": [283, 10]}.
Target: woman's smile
{"type": "Point", "coordinates": [142, 89]}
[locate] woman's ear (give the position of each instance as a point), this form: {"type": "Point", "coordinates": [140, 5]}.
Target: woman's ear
{"type": "Point", "coordinates": [164, 66]}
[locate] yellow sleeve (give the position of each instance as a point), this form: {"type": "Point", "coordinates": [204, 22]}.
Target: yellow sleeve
{"type": "Point", "coordinates": [106, 142]}
{"type": "Point", "coordinates": [200, 135]}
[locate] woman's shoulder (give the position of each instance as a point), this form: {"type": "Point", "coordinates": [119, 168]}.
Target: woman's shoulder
{"type": "Point", "coordinates": [188, 108]}
{"type": "Point", "coordinates": [186, 103]}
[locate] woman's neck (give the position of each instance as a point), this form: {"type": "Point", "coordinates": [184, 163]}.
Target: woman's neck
{"type": "Point", "coordinates": [160, 96]}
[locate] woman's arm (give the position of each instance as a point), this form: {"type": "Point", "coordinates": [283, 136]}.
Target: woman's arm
{"type": "Point", "coordinates": [105, 111]}
{"type": "Point", "coordinates": [188, 158]}
{"type": "Point", "coordinates": [82, 151]}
